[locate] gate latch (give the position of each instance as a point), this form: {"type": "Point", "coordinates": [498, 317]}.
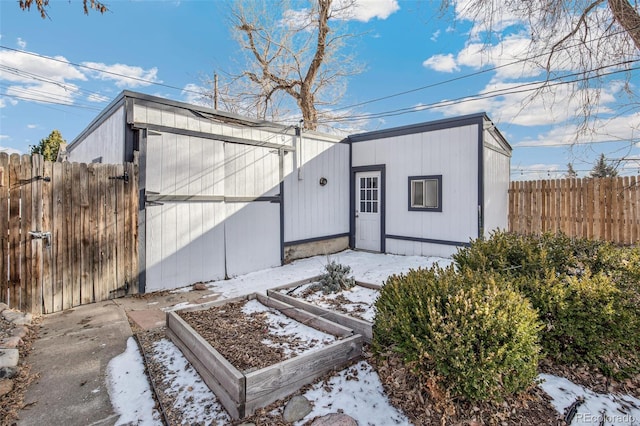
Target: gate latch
{"type": "Point", "coordinates": [39, 235]}
{"type": "Point", "coordinates": [124, 177]}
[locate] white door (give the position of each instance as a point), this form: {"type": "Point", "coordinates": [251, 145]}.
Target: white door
{"type": "Point", "coordinates": [367, 208]}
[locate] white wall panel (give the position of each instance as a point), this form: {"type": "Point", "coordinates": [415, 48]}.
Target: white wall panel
{"type": "Point", "coordinates": [106, 141]}
{"type": "Point", "coordinates": [312, 210]}
{"type": "Point", "coordinates": [497, 165]}
{"type": "Point", "coordinates": [452, 153]}
{"type": "Point", "coordinates": [252, 232]}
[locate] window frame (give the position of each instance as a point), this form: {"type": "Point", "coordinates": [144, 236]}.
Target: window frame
{"type": "Point", "coordinates": [438, 179]}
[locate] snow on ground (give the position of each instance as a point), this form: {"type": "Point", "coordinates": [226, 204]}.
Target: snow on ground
{"type": "Point", "coordinates": [129, 389]}
{"type": "Point", "coordinates": [372, 268]}
{"type": "Point", "coordinates": [193, 397]}
{"type": "Point", "coordinates": [597, 409]}
{"type": "Point", "coordinates": [282, 325]}
{"type": "Point", "coordinates": [362, 399]}
{"type": "Point", "coordinates": [356, 391]}
{"type": "Point", "coordinates": [361, 299]}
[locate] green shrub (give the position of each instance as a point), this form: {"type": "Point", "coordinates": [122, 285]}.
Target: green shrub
{"type": "Point", "coordinates": [477, 334]}
{"type": "Point", "coordinates": [335, 278]}
{"type": "Point", "coordinates": [587, 294]}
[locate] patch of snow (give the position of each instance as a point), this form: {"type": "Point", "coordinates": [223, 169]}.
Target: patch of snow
{"type": "Point", "coordinates": [597, 408]}
{"type": "Point", "coordinates": [356, 391]}
{"type": "Point", "coordinates": [178, 306]}
{"type": "Point", "coordinates": [129, 389]}
{"type": "Point", "coordinates": [362, 300]}
{"type": "Point", "coordinates": [282, 325]}
{"type": "Point", "coordinates": [372, 268]}
{"type": "Point", "coordinates": [193, 398]}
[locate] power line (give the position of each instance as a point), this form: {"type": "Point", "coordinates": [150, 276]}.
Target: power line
{"type": "Point", "coordinates": [491, 94]}
{"type": "Point", "coordinates": [128, 77]}
{"type": "Point", "coordinates": [474, 74]}
{"type": "Point", "coordinates": [577, 144]}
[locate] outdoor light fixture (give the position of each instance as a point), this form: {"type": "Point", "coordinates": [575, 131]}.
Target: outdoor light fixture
{"type": "Point", "coordinates": [323, 181]}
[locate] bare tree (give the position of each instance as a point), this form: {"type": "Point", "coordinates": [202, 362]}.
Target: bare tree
{"type": "Point", "coordinates": [296, 59]}
{"type": "Point", "coordinates": [580, 41]}
{"type": "Point", "coordinates": [42, 5]}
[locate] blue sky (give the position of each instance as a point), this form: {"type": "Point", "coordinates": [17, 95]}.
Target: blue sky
{"type": "Point", "coordinates": [50, 78]}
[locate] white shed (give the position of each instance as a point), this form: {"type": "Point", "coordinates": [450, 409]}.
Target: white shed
{"type": "Point", "coordinates": [214, 188]}
{"type": "Point", "coordinates": [222, 195]}
{"type": "Point", "coordinates": [427, 189]}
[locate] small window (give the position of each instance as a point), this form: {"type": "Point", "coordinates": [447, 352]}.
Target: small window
{"type": "Point", "coordinates": [425, 193]}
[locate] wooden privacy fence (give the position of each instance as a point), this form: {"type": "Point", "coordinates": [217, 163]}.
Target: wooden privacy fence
{"type": "Point", "coordinates": [68, 233]}
{"type": "Point", "coordinates": [595, 208]}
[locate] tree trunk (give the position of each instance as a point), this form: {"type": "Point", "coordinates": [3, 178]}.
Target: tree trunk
{"type": "Point", "coordinates": [628, 18]}
{"type": "Point", "coordinates": [306, 102]}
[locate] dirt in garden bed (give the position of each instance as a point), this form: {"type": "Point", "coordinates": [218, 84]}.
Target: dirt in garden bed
{"type": "Point", "coordinates": [227, 327]}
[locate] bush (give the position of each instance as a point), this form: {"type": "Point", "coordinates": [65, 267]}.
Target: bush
{"type": "Point", "coordinates": [586, 293]}
{"type": "Point", "coordinates": [335, 278]}
{"type": "Point", "coordinates": [476, 333]}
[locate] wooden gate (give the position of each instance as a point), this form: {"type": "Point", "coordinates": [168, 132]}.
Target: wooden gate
{"type": "Point", "coordinates": [68, 233]}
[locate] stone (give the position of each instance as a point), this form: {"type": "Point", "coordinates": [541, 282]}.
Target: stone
{"type": "Point", "coordinates": [17, 317]}
{"type": "Point", "coordinates": [11, 342]}
{"type": "Point", "coordinates": [9, 357]}
{"type": "Point", "coordinates": [296, 409]}
{"type": "Point", "coordinates": [200, 286]}
{"type": "Point", "coordinates": [334, 419]}
{"type": "Point", "coordinates": [247, 424]}
{"type": "Point", "coordinates": [3, 307]}
{"type": "Point", "coordinates": [20, 331]}
{"type": "Point", "coordinates": [8, 372]}
{"type": "Point", "coordinates": [6, 386]}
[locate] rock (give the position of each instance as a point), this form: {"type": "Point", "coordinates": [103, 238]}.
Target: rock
{"type": "Point", "coordinates": [9, 357]}
{"type": "Point", "coordinates": [6, 386]}
{"type": "Point", "coordinates": [200, 286]}
{"type": "Point", "coordinates": [247, 424]}
{"type": "Point", "coordinates": [3, 306]}
{"type": "Point", "coordinates": [334, 419]}
{"type": "Point", "coordinates": [20, 331]}
{"type": "Point", "coordinates": [8, 372]}
{"type": "Point", "coordinates": [17, 317]}
{"type": "Point", "coordinates": [11, 342]}
{"type": "Point", "coordinates": [296, 409]}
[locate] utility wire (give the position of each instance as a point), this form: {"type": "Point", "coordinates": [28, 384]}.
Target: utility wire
{"type": "Point", "coordinates": [128, 77]}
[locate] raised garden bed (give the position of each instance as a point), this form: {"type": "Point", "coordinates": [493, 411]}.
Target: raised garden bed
{"type": "Point", "coordinates": [243, 390]}
{"type": "Point", "coordinates": [339, 308]}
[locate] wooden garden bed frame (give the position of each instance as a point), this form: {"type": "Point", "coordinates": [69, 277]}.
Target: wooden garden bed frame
{"type": "Point", "coordinates": [358, 325]}
{"type": "Point", "coordinates": [242, 393]}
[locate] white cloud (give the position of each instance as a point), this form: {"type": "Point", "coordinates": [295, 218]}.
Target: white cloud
{"type": "Point", "coordinates": [441, 63]}
{"type": "Point", "coordinates": [4, 136]}
{"type": "Point", "coordinates": [622, 128]}
{"type": "Point", "coordinates": [123, 75]}
{"type": "Point", "coordinates": [22, 44]}
{"type": "Point", "coordinates": [32, 126]}
{"type": "Point", "coordinates": [365, 10]}
{"type": "Point", "coordinates": [8, 150]}
{"type": "Point", "coordinates": [434, 36]}
{"type": "Point", "coordinates": [39, 79]}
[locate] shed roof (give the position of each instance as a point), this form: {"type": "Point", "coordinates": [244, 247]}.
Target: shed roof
{"type": "Point", "coordinates": [429, 126]}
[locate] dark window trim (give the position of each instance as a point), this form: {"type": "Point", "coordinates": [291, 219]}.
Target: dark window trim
{"type": "Point", "coordinates": [426, 209]}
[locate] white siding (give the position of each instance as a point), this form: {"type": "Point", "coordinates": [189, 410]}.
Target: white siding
{"type": "Point", "coordinates": [184, 241]}
{"type": "Point", "coordinates": [497, 165]}
{"type": "Point", "coordinates": [312, 210]}
{"type": "Point", "coordinates": [106, 141]}
{"type": "Point", "coordinates": [452, 153]}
